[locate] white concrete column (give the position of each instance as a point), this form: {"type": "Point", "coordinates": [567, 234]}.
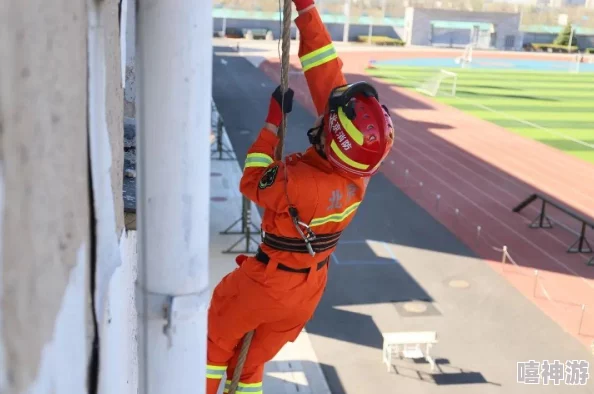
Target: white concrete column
{"type": "Point", "coordinates": [174, 71]}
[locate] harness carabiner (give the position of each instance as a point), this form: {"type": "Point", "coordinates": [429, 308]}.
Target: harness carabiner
{"type": "Point", "coordinates": [308, 235]}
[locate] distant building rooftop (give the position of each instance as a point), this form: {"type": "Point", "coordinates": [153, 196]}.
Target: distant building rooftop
{"type": "Point", "coordinates": [364, 19]}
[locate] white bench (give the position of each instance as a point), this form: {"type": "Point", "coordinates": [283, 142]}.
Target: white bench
{"type": "Point", "coordinates": [409, 345]}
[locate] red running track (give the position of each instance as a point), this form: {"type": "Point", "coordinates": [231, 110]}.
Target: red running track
{"type": "Point", "coordinates": [467, 173]}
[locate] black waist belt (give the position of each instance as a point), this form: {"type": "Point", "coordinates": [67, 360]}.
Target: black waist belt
{"type": "Point", "coordinates": [263, 258]}
{"type": "Point", "coordinates": [321, 243]}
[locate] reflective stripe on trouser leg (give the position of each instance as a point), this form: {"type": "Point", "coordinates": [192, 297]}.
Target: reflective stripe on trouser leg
{"type": "Point", "coordinates": [214, 374]}
{"type": "Point", "coordinates": [251, 388]}
{"type": "Point", "coordinates": [215, 371]}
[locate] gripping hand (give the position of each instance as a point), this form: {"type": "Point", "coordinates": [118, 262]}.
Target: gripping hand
{"type": "Point", "coordinates": [302, 4]}
{"type": "Point", "coordinates": [275, 114]}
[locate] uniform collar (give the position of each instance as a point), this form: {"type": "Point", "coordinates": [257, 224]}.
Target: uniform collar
{"type": "Point", "coordinates": [313, 158]}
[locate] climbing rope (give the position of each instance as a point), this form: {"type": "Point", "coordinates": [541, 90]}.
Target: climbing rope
{"type": "Point", "coordinates": [245, 346]}
{"type": "Point", "coordinates": [284, 75]}
{"type": "Point", "coordinates": [284, 82]}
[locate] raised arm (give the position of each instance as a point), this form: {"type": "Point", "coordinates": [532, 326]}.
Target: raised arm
{"type": "Point", "coordinates": [320, 62]}
{"type": "Point", "coordinates": [263, 180]}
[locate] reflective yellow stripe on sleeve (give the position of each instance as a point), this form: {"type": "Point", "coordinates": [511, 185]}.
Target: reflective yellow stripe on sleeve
{"type": "Point", "coordinates": [251, 388]}
{"type": "Point", "coordinates": [257, 160]}
{"type": "Point", "coordinates": [215, 371]}
{"type": "Point", "coordinates": [318, 57]}
{"type": "Point", "coordinates": [335, 217]}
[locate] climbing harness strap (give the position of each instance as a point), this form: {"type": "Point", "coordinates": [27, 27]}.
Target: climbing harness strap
{"type": "Point", "coordinates": [321, 243]}
{"type": "Point", "coordinates": [262, 257]}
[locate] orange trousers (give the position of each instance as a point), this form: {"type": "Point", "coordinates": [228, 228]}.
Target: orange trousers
{"type": "Point", "coordinates": [276, 304]}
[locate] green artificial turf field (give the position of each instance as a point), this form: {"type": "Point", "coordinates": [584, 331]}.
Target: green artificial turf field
{"type": "Point", "coordinates": [555, 108]}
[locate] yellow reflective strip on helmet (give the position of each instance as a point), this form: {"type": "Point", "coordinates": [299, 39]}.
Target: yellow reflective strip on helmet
{"type": "Point", "coordinates": [345, 159]}
{"type": "Point", "coordinates": [350, 128]}
{"type": "Point", "coordinates": [336, 217]}
{"type": "Point", "coordinates": [257, 160]}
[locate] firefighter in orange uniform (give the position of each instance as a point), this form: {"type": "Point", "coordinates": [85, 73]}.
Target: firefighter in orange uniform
{"type": "Point", "coordinates": [308, 200]}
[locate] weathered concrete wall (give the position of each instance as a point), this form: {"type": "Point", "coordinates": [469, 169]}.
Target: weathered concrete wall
{"type": "Point", "coordinates": [112, 277]}
{"type": "Point", "coordinates": [43, 154]}
{"type": "Point", "coordinates": [114, 96]}
{"type": "Point", "coordinates": [130, 89]}
{"type": "Point", "coordinates": [119, 328]}
{"type": "Point", "coordinates": [116, 249]}
{"type": "Point", "coordinates": [46, 320]}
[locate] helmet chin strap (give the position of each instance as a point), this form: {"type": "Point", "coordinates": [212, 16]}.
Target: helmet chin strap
{"type": "Point", "coordinates": [315, 138]}
{"type": "Point", "coordinates": [320, 150]}
{"type": "Point", "coordinates": [313, 135]}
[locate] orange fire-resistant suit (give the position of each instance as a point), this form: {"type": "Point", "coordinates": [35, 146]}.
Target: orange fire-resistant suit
{"type": "Point", "coordinates": [263, 294]}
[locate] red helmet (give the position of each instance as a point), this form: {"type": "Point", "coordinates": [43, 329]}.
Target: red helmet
{"type": "Point", "coordinates": [358, 129]}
